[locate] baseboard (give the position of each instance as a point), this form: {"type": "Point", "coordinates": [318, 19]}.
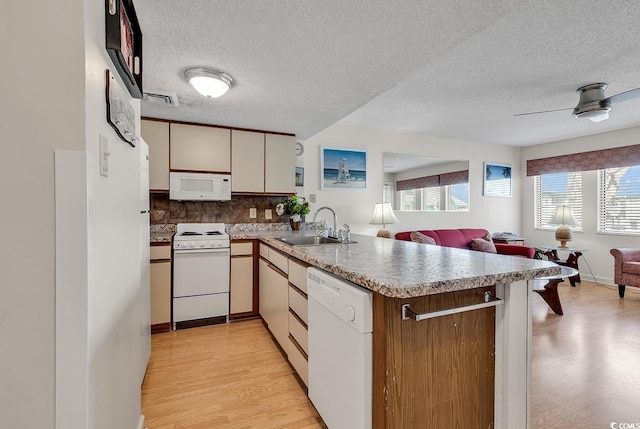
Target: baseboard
{"type": "Point", "coordinates": [600, 280]}
{"type": "Point", "coordinates": [160, 327]}
{"type": "Point", "coordinates": [141, 422]}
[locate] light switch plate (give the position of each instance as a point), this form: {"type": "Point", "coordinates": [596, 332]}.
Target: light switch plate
{"type": "Point", "coordinates": [267, 214]}
{"type": "Point", "coordinates": [104, 156]}
{"type": "Point", "coordinates": [312, 198]}
{"type": "Point", "coordinates": [253, 213]}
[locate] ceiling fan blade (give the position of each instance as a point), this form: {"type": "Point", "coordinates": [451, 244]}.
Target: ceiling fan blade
{"type": "Point", "coordinates": [623, 96]}
{"type": "Point", "coordinates": [543, 111]}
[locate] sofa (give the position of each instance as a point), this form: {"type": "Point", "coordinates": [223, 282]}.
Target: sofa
{"type": "Point", "coordinates": [626, 268]}
{"type": "Point", "coordinates": [461, 239]}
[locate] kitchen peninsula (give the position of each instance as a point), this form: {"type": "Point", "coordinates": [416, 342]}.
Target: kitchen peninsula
{"type": "Point", "coordinates": [470, 369]}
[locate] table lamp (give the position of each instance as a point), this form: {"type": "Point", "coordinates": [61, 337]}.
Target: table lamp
{"type": "Point", "coordinates": [564, 218]}
{"type": "Point", "coordinates": [382, 215]}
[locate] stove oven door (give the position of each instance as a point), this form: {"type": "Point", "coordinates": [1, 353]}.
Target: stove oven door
{"type": "Point", "coordinates": [200, 284]}
{"type": "Point", "coordinates": [200, 272]}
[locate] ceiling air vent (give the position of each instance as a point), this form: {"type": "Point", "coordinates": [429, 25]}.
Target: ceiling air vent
{"type": "Point", "coordinates": [161, 98]}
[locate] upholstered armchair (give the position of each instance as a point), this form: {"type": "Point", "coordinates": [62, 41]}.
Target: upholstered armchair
{"type": "Point", "coordinates": [627, 268]}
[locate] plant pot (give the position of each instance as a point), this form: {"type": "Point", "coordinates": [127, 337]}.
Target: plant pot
{"type": "Point", "coordinates": [294, 225]}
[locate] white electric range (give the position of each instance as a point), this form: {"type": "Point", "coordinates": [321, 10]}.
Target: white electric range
{"type": "Point", "coordinates": [201, 265]}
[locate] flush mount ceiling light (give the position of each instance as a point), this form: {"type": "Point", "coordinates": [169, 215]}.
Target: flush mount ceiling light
{"type": "Point", "coordinates": [209, 82]}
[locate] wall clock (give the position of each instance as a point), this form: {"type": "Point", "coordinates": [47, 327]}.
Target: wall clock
{"type": "Point", "coordinates": [299, 149]}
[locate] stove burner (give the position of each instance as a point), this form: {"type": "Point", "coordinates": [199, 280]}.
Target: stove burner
{"type": "Point", "coordinates": [214, 233]}
{"type": "Point", "coordinates": [191, 233]}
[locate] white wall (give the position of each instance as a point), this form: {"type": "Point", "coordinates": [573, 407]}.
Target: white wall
{"type": "Point", "coordinates": [355, 207]}
{"type": "Point", "coordinates": [53, 99]}
{"type": "Point", "coordinates": [599, 244]}
{"type": "Point", "coordinates": [42, 109]}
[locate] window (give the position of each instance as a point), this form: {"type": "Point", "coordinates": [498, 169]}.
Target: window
{"type": "Point", "coordinates": [458, 197]}
{"type": "Point", "coordinates": [619, 202]}
{"type": "Point", "coordinates": [447, 197]}
{"type": "Point", "coordinates": [553, 190]}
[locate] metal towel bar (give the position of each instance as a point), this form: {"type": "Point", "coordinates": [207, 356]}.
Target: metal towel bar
{"type": "Point", "coordinates": [489, 301]}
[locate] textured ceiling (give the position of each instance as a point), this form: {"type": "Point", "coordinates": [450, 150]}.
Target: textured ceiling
{"type": "Point", "coordinates": [459, 69]}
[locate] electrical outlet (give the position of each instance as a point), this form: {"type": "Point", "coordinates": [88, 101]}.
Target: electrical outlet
{"type": "Point", "coordinates": [104, 156]}
{"type": "Point", "coordinates": [267, 214]}
{"type": "Point", "coordinates": [312, 198]}
{"type": "Point", "coordinates": [253, 213]}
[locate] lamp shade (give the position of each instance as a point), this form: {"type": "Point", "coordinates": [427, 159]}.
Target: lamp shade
{"type": "Point", "coordinates": [383, 214]}
{"type": "Point", "coordinates": [563, 216]}
{"type": "Point", "coordinates": [208, 82]}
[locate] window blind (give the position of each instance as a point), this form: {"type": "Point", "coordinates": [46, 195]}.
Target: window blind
{"type": "Point", "coordinates": [619, 204]}
{"type": "Point", "coordinates": [553, 190]}
{"type": "Point", "coordinates": [431, 199]}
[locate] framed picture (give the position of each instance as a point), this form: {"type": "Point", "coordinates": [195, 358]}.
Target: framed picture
{"type": "Point", "coordinates": [120, 114]}
{"type": "Point", "coordinates": [299, 176]}
{"type": "Point", "coordinates": [124, 43]}
{"type": "Point", "coordinates": [497, 180]}
{"type": "Point", "coordinates": [343, 168]}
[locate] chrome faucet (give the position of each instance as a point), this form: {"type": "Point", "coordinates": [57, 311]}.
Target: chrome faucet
{"type": "Point", "coordinates": [346, 235]}
{"type": "Point", "coordinates": [335, 219]}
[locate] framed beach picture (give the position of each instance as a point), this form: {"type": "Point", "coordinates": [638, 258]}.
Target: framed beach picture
{"type": "Point", "coordinates": [497, 180]}
{"type": "Point", "coordinates": [299, 176]}
{"type": "Point", "coordinates": [343, 168]}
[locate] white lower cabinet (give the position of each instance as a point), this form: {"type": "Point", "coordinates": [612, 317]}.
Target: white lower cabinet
{"type": "Point", "coordinates": [160, 283]}
{"type": "Point", "coordinates": [274, 303]}
{"type": "Point", "coordinates": [241, 293]}
{"type": "Point", "coordinates": [298, 319]}
{"type": "Point", "coordinates": [283, 305]}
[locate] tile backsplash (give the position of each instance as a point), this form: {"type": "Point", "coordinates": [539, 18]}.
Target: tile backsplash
{"type": "Point", "coordinates": [165, 211]}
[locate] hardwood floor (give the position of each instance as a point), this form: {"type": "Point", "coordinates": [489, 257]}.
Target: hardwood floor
{"type": "Point", "coordinates": [586, 364]}
{"type": "Point", "coordinates": [586, 370]}
{"type": "Point", "coordinates": [224, 376]}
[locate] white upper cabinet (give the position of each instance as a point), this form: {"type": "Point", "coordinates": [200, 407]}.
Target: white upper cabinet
{"type": "Point", "coordinates": [199, 148]}
{"type": "Point", "coordinates": [156, 134]}
{"type": "Point", "coordinates": [247, 161]}
{"type": "Point", "coordinates": [280, 162]}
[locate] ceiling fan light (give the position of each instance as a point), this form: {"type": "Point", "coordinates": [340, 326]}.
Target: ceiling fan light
{"type": "Point", "coordinates": [601, 116]}
{"type": "Point", "coordinates": [596, 112]}
{"type": "Point", "coordinates": [208, 82]}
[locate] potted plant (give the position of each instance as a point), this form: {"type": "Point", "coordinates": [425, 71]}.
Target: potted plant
{"type": "Point", "coordinates": [295, 208]}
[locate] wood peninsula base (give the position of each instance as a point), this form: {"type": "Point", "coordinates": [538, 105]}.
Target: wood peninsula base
{"type": "Point", "coordinates": [434, 373]}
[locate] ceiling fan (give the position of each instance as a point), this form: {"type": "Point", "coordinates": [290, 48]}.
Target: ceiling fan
{"type": "Point", "coordinates": [593, 104]}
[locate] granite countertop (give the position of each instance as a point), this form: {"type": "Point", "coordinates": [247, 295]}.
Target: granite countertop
{"type": "Point", "coordinates": [158, 237]}
{"type": "Point", "coordinates": [402, 269]}
{"type": "Point", "coordinates": [161, 233]}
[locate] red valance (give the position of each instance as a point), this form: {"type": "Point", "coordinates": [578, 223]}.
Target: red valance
{"type": "Point", "coordinates": [625, 156]}
{"type": "Point", "coordinates": [434, 181]}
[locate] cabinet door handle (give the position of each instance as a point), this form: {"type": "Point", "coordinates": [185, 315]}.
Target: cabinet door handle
{"type": "Point", "coordinates": [489, 301]}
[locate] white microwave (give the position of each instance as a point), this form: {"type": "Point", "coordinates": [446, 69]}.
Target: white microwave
{"type": "Point", "coordinates": [199, 186]}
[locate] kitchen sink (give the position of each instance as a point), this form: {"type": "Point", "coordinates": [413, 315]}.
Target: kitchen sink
{"type": "Point", "coordinates": [309, 241]}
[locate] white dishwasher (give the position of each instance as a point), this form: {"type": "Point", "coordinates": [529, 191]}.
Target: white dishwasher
{"type": "Point", "coordinates": [340, 367]}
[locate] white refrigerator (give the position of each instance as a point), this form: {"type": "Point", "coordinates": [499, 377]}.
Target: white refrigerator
{"type": "Point", "coordinates": [144, 307]}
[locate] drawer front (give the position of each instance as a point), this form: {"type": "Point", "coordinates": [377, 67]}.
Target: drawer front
{"type": "Point", "coordinates": [298, 275]}
{"type": "Point", "coordinates": [264, 251]}
{"type": "Point", "coordinates": [299, 332]}
{"type": "Point", "coordinates": [279, 260]}
{"type": "Point", "coordinates": [298, 304]}
{"type": "Point", "coordinates": [160, 252]}
{"type": "Point", "coordinates": [199, 307]}
{"type": "Point", "coordinates": [298, 362]}
{"type": "Point", "coordinates": [241, 249]}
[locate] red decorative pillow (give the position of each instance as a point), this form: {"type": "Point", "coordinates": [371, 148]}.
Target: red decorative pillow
{"type": "Point", "coordinates": [419, 237]}
{"type": "Point", "coordinates": [483, 245]}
